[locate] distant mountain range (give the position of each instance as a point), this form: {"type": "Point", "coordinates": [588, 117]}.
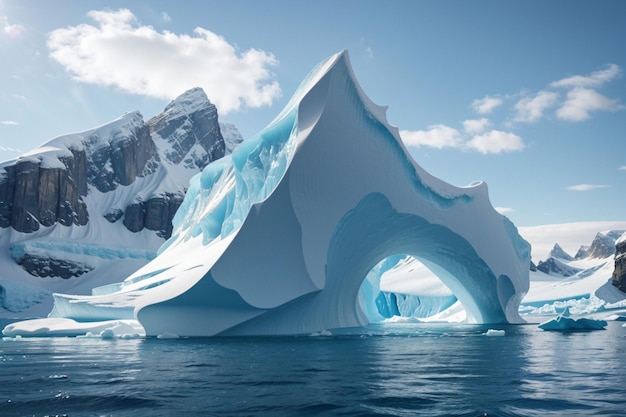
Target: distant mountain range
{"type": "Point", "coordinates": [88, 208]}
{"type": "Point", "coordinates": [561, 263]}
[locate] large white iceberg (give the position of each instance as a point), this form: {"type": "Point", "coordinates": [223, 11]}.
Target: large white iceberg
{"type": "Point", "coordinates": [278, 238]}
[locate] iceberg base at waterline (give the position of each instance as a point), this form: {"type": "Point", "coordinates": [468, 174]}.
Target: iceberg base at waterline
{"type": "Point", "coordinates": [565, 323]}
{"type": "Point", "coordinates": [278, 238]}
{"type": "Point", "coordinates": [64, 327]}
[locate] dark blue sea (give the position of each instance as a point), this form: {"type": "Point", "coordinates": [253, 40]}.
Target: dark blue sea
{"type": "Point", "coordinates": [380, 370]}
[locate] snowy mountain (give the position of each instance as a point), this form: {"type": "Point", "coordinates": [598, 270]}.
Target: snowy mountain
{"type": "Point", "coordinates": [583, 283]}
{"type": "Point", "coordinates": [86, 209]}
{"type": "Point", "coordinates": [558, 252]}
{"type": "Point", "coordinates": [603, 245]}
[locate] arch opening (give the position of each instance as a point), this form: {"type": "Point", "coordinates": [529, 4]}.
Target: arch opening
{"type": "Point", "coordinates": [374, 231]}
{"type": "Point", "coordinates": [400, 287]}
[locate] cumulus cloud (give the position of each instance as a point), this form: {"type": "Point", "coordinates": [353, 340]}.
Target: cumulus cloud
{"type": "Point", "coordinates": [476, 125]}
{"type": "Point", "coordinates": [531, 109]}
{"type": "Point", "coordinates": [581, 102]}
{"type": "Point", "coordinates": [9, 149]}
{"type": "Point", "coordinates": [486, 104]}
{"type": "Point", "coordinates": [442, 136]}
{"type": "Point", "coordinates": [437, 136]}
{"type": "Point", "coordinates": [166, 17]}
{"type": "Point", "coordinates": [496, 141]}
{"type": "Point", "coordinates": [11, 30]}
{"type": "Point", "coordinates": [120, 52]}
{"type": "Point", "coordinates": [9, 122]}
{"type": "Point", "coordinates": [594, 79]}
{"type": "Point", "coordinates": [586, 187]}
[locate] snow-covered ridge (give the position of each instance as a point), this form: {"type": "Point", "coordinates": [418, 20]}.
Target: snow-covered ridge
{"type": "Point", "coordinates": [94, 206]}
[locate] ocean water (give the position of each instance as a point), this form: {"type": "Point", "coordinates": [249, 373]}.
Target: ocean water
{"type": "Point", "coordinates": [380, 370]}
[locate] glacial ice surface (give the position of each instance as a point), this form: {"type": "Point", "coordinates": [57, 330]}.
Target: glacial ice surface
{"type": "Point", "coordinates": [278, 237]}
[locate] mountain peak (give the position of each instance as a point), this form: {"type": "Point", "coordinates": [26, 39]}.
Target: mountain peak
{"type": "Point", "coordinates": [603, 245]}
{"type": "Point", "coordinates": [558, 252]}
{"type": "Point", "coordinates": [190, 101]}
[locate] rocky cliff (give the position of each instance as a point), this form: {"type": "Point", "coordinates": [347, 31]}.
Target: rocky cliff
{"type": "Point", "coordinates": [619, 274]}
{"type": "Point", "coordinates": [49, 185]}
{"type": "Point", "coordinates": [603, 245]}
{"type": "Point", "coordinates": [101, 187]}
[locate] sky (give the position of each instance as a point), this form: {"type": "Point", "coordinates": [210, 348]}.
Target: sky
{"type": "Point", "coordinates": [528, 96]}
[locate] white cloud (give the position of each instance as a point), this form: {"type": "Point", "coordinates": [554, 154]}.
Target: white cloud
{"type": "Point", "coordinates": [11, 30]}
{"type": "Point", "coordinates": [9, 149]}
{"type": "Point", "coordinates": [586, 187]}
{"type": "Point", "coordinates": [474, 126]}
{"type": "Point", "coordinates": [596, 78]}
{"type": "Point", "coordinates": [442, 136]}
{"type": "Point", "coordinates": [437, 136]}
{"type": "Point", "coordinates": [496, 141]}
{"type": "Point", "coordinates": [486, 104]}
{"type": "Point", "coordinates": [9, 123]}
{"type": "Point", "coordinates": [531, 109]}
{"type": "Point", "coordinates": [622, 168]}
{"type": "Point", "coordinates": [119, 52]}
{"type": "Point", "coordinates": [581, 102]}
{"type": "Point", "coordinates": [166, 17]}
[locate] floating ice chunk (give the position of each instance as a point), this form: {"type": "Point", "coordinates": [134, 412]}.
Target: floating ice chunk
{"type": "Point", "coordinates": [107, 334]}
{"type": "Point", "coordinates": [323, 333]}
{"type": "Point", "coordinates": [494, 332]}
{"type": "Point", "coordinates": [167, 336]}
{"type": "Point", "coordinates": [402, 319]}
{"type": "Point", "coordinates": [564, 323]}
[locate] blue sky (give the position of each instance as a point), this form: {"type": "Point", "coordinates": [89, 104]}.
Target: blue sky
{"type": "Point", "coordinates": [529, 96]}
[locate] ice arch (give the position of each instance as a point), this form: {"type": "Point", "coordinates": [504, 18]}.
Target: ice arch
{"type": "Point", "coordinates": [278, 238]}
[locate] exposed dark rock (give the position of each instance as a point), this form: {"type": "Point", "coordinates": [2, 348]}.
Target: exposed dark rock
{"type": "Point", "coordinates": [188, 121]}
{"type": "Point", "coordinates": [134, 217]}
{"type": "Point", "coordinates": [48, 267]}
{"type": "Point", "coordinates": [114, 215]}
{"type": "Point", "coordinates": [554, 266]}
{"type": "Point", "coordinates": [619, 274]}
{"type": "Point", "coordinates": [155, 214]}
{"type": "Point", "coordinates": [42, 190]}
{"type": "Point", "coordinates": [603, 245]}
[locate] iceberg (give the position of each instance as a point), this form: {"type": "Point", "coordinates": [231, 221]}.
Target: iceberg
{"type": "Point", "coordinates": [277, 238]}
{"type": "Point", "coordinates": [564, 323]}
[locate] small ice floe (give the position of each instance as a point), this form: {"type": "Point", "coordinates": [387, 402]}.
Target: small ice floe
{"type": "Point", "coordinates": [494, 332]}
{"type": "Point", "coordinates": [564, 323]}
{"type": "Point", "coordinates": [107, 334]}
{"type": "Point", "coordinates": [323, 333]}
{"type": "Point", "coordinates": [167, 335]}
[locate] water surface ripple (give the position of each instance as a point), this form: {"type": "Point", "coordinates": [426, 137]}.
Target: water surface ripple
{"type": "Point", "coordinates": [381, 370]}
